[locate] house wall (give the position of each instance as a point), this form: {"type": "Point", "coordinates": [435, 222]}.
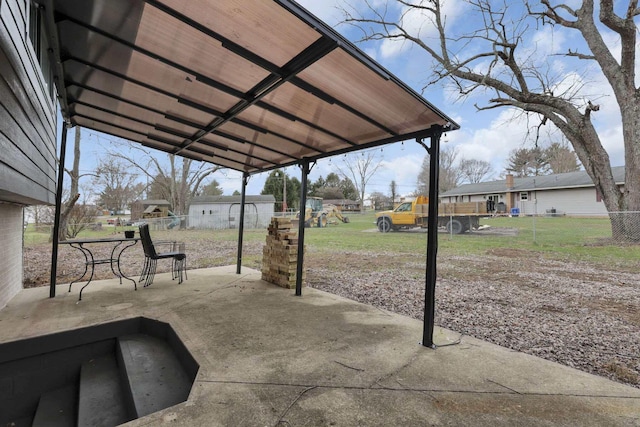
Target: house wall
{"type": "Point", "coordinates": [227, 215]}
{"type": "Point", "coordinates": [576, 201]}
{"type": "Point", "coordinates": [27, 136]}
{"type": "Point", "coordinates": [27, 115]}
{"type": "Point", "coordinates": [11, 260]}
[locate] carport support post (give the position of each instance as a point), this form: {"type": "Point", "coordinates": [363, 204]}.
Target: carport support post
{"type": "Point", "coordinates": [304, 165]}
{"type": "Point", "coordinates": [245, 179]}
{"type": "Point", "coordinates": [56, 220]}
{"type": "Point", "coordinates": [432, 239]}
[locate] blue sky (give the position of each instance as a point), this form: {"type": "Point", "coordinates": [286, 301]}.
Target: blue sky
{"type": "Point", "coordinates": [485, 135]}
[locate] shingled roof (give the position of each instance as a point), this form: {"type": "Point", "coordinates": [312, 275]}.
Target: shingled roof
{"type": "Point", "coordinates": [541, 182]}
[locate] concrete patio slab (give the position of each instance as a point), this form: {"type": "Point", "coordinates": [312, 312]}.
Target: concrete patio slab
{"type": "Point", "coordinates": [269, 358]}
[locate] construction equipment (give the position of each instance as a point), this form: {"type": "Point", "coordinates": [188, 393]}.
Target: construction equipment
{"type": "Point", "coordinates": [455, 217]}
{"type": "Point", "coordinates": [331, 214]}
{"type": "Point", "coordinates": [318, 214]}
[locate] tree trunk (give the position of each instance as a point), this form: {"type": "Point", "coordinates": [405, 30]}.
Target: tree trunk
{"type": "Point", "coordinates": [64, 217]}
{"type": "Point", "coordinates": [73, 194]}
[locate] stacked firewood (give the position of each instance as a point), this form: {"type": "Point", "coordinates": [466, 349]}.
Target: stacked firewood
{"type": "Point", "coordinates": [280, 254]}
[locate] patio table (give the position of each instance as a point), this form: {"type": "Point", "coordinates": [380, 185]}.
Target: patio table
{"type": "Point", "coordinates": [120, 244]}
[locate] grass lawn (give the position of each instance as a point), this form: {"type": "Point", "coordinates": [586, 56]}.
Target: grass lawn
{"type": "Point", "coordinates": [587, 239]}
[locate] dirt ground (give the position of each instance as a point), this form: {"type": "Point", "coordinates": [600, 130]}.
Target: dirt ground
{"type": "Point", "coordinates": [577, 314]}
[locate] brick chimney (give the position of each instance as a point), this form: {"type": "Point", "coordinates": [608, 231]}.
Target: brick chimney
{"type": "Point", "coordinates": [510, 183]}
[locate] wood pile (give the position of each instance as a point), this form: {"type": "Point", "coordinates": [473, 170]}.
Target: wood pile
{"type": "Point", "coordinates": [280, 254]}
{"type": "Point", "coordinates": [462, 208]}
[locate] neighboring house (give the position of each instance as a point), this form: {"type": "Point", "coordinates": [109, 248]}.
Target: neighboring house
{"type": "Point", "coordinates": [345, 205]}
{"type": "Point", "coordinates": [570, 193]}
{"type": "Point", "coordinates": [27, 131]}
{"type": "Point", "coordinates": [222, 212]}
{"type": "Point", "coordinates": [139, 207]}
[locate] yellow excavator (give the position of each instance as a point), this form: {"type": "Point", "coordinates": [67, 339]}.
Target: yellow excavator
{"type": "Point", "coordinates": [317, 214]}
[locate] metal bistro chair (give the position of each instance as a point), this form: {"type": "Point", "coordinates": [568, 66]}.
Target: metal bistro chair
{"type": "Point", "coordinates": [151, 259]}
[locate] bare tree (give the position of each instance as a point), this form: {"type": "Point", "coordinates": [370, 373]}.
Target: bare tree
{"type": "Point", "coordinates": [475, 170]}
{"type": "Point", "coordinates": [179, 178]}
{"type": "Point", "coordinates": [80, 218]}
{"type": "Point", "coordinates": [380, 201]}
{"type": "Point", "coordinates": [117, 186]}
{"type": "Point", "coordinates": [450, 173]}
{"type": "Point", "coordinates": [41, 215]}
{"type": "Point", "coordinates": [494, 57]}
{"type": "Point", "coordinates": [74, 195]}
{"type": "Point", "coordinates": [360, 168]}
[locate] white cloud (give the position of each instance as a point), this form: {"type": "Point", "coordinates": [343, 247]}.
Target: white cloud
{"type": "Point", "coordinates": [493, 142]}
{"type": "Point", "coordinates": [327, 10]}
{"type": "Point", "coordinates": [419, 23]}
{"type": "Point", "coordinates": [549, 41]}
{"type": "Point", "coordinates": [390, 48]}
{"type": "Point", "coordinates": [403, 170]}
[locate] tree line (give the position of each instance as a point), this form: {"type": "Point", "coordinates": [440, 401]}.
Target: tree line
{"type": "Point", "coordinates": [456, 170]}
{"type": "Point", "coordinates": [127, 173]}
{"type": "Point", "coordinates": [124, 174]}
{"type": "Point", "coordinates": [331, 187]}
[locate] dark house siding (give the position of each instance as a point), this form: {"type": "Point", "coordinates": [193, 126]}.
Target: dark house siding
{"type": "Point", "coordinates": [27, 114]}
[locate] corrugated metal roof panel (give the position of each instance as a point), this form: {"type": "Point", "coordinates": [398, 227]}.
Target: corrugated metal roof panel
{"type": "Point", "coordinates": [247, 85]}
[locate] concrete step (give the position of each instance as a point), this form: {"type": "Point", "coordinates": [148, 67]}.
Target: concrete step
{"type": "Point", "coordinates": [57, 408]}
{"type": "Point", "coordinates": [153, 373]}
{"type": "Point", "coordinates": [101, 398]}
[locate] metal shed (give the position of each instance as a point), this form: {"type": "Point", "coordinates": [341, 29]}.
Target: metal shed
{"type": "Point", "coordinates": [223, 212]}
{"type": "Point", "coordinates": [252, 86]}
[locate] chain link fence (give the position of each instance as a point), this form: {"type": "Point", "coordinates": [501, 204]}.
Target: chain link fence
{"type": "Point", "coordinates": [549, 227]}
{"type": "Point", "coordinates": [215, 221]}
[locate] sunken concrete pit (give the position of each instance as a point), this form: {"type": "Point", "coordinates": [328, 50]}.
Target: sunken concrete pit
{"type": "Point", "coordinates": [104, 375]}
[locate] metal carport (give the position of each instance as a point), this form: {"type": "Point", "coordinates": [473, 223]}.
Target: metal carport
{"type": "Point", "coordinates": [252, 86]}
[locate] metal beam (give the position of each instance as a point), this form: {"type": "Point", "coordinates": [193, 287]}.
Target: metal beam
{"type": "Point", "coordinates": [427, 133]}
{"type": "Point", "coordinates": [304, 165]}
{"type": "Point", "coordinates": [54, 55]}
{"type": "Point", "coordinates": [177, 97]}
{"type": "Point", "coordinates": [56, 220]}
{"type": "Point", "coordinates": [171, 131]}
{"type": "Point", "coordinates": [331, 100]}
{"type": "Point", "coordinates": [279, 112]}
{"type": "Point", "coordinates": [156, 56]}
{"type": "Point", "coordinates": [182, 120]}
{"type": "Point", "coordinates": [432, 238]}
{"type": "Point", "coordinates": [311, 54]}
{"type": "Point", "coordinates": [225, 42]}
{"type": "Point", "coordinates": [245, 178]}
